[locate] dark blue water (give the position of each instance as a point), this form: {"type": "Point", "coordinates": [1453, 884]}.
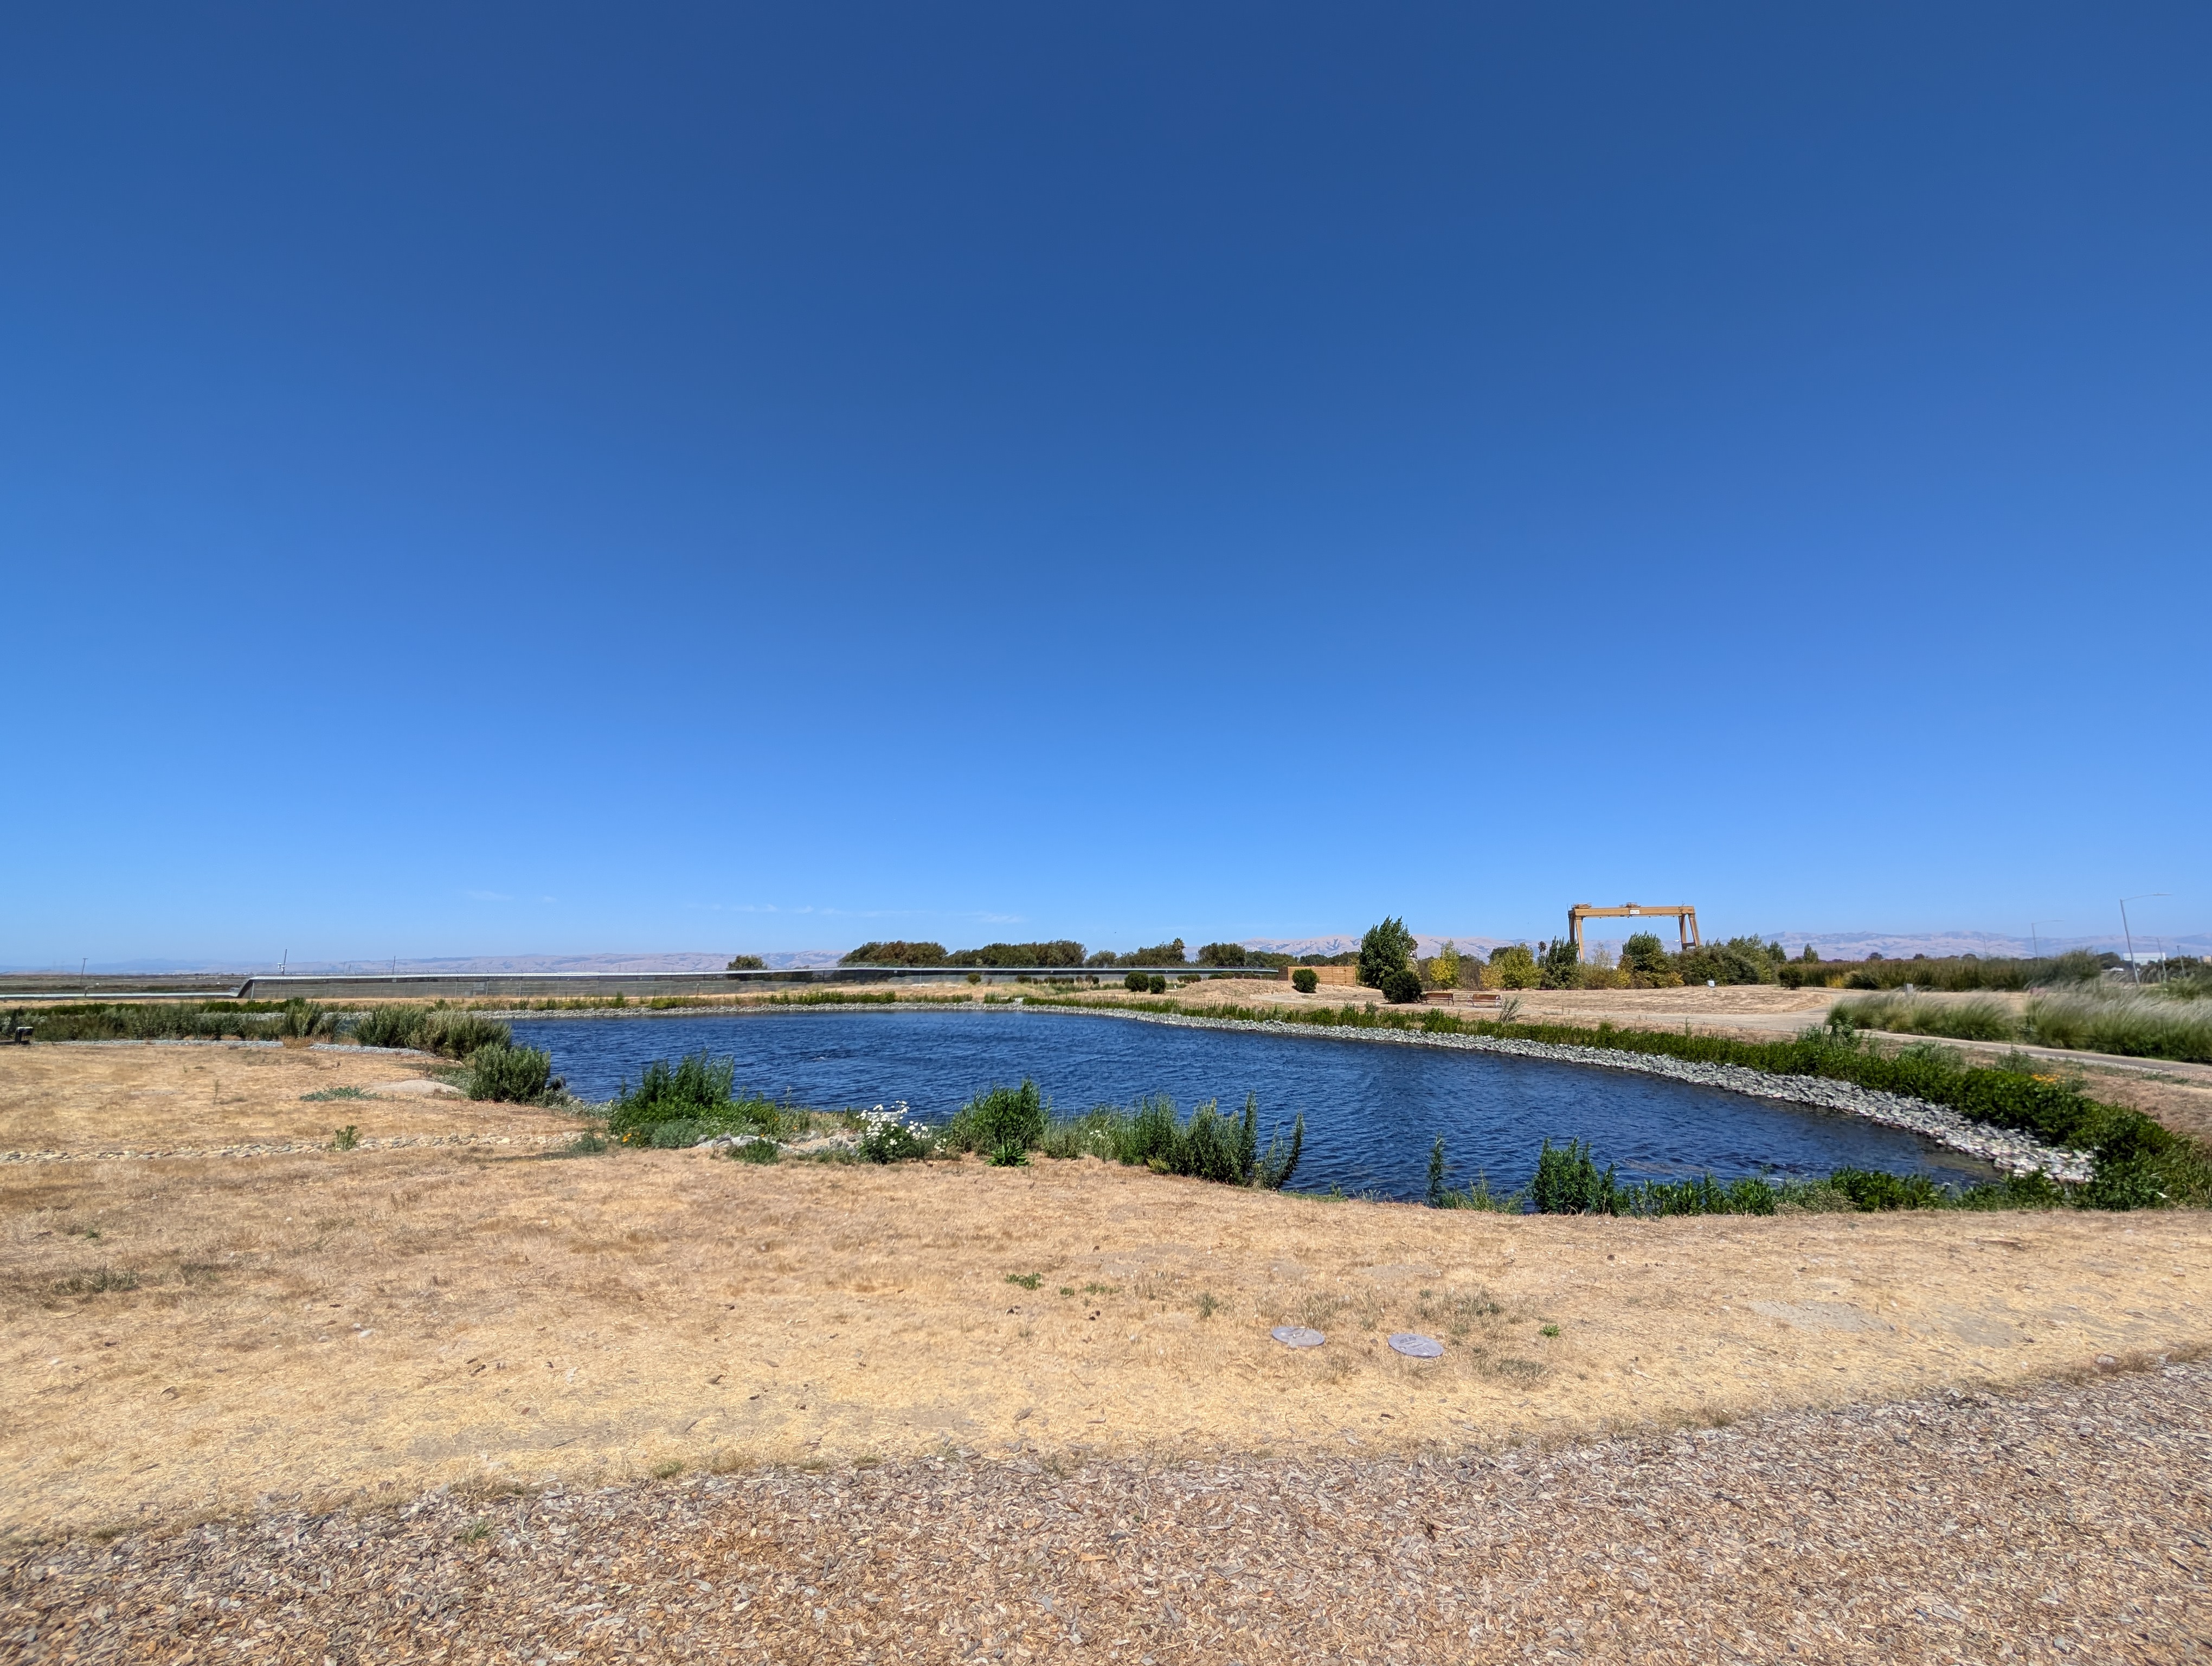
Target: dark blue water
{"type": "Point", "coordinates": [1371, 1110]}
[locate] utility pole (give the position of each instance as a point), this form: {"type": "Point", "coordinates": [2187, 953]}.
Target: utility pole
{"type": "Point", "coordinates": [2127, 933]}
{"type": "Point", "coordinates": [2035, 943]}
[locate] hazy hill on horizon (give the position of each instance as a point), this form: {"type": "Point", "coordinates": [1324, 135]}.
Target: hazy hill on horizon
{"type": "Point", "coordinates": [1829, 945]}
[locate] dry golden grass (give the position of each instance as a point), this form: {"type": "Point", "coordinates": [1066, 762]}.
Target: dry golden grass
{"type": "Point", "coordinates": [81, 1098]}
{"type": "Point", "coordinates": [192, 1335]}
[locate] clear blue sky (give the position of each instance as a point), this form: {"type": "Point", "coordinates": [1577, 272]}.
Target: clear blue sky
{"type": "Point", "coordinates": [550, 478]}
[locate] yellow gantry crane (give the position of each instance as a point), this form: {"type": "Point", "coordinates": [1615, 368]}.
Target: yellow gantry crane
{"type": "Point", "coordinates": [1685, 917]}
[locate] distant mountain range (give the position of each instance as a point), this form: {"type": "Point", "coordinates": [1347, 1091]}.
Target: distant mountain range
{"type": "Point", "coordinates": [1829, 945]}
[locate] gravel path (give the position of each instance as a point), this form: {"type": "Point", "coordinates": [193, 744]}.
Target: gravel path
{"type": "Point", "coordinates": [2074, 1522]}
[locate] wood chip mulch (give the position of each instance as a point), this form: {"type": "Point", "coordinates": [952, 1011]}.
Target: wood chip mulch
{"type": "Point", "coordinates": [2074, 1522]}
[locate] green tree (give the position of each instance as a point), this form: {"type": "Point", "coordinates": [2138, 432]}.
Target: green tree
{"type": "Point", "coordinates": [747, 962]}
{"type": "Point", "coordinates": [1222, 954]}
{"type": "Point", "coordinates": [1385, 949]}
{"type": "Point", "coordinates": [896, 953]}
{"type": "Point", "coordinates": [1512, 967]}
{"type": "Point", "coordinates": [1445, 969]}
{"type": "Point", "coordinates": [1644, 956]}
{"type": "Point", "coordinates": [1160, 954]}
{"type": "Point", "coordinates": [1563, 964]}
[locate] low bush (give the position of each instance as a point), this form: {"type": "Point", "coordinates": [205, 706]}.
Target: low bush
{"type": "Point", "coordinates": [746, 963]}
{"type": "Point", "coordinates": [518, 1075]}
{"type": "Point", "coordinates": [1156, 984]}
{"type": "Point", "coordinates": [694, 1089]}
{"type": "Point", "coordinates": [458, 1035]}
{"type": "Point", "coordinates": [996, 1119]}
{"type": "Point", "coordinates": [1209, 1146]}
{"type": "Point", "coordinates": [1305, 980]}
{"type": "Point", "coordinates": [1568, 1181]}
{"type": "Point", "coordinates": [1137, 983]}
{"type": "Point", "coordinates": [1401, 987]}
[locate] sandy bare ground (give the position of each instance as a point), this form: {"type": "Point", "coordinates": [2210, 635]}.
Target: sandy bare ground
{"type": "Point", "coordinates": [2073, 1522]}
{"type": "Point", "coordinates": [193, 1335]}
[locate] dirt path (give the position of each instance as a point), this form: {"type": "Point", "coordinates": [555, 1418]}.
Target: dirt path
{"type": "Point", "coordinates": [2074, 1522]}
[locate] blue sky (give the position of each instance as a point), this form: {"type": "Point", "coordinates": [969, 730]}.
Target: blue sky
{"type": "Point", "coordinates": [549, 478]}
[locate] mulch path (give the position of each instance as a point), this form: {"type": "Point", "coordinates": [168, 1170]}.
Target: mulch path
{"type": "Point", "coordinates": [2072, 1522]}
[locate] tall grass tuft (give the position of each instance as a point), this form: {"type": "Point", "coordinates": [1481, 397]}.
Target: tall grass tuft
{"type": "Point", "coordinates": [695, 1092]}
{"type": "Point", "coordinates": [2144, 1026]}
{"type": "Point", "coordinates": [1910, 1015]}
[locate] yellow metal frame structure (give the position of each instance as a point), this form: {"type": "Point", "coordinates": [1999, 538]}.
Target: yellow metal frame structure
{"type": "Point", "coordinates": [1685, 918]}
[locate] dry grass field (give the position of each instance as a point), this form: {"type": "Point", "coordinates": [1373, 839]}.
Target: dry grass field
{"type": "Point", "coordinates": [189, 1335]}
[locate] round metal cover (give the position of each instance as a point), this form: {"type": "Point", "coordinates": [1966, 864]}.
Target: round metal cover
{"type": "Point", "coordinates": [1297, 1336]}
{"type": "Point", "coordinates": [1415, 1345]}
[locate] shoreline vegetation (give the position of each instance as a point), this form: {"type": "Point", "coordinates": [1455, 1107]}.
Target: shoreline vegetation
{"type": "Point", "coordinates": [2135, 1161]}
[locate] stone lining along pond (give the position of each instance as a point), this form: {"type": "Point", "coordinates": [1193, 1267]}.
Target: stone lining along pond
{"type": "Point", "coordinates": [1371, 1111]}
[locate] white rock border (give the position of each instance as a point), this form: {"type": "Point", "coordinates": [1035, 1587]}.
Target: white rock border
{"type": "Point", "coordinates": [2004, 1148]}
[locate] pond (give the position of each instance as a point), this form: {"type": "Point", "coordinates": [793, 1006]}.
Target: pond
{"type": "Point", "coordinates": [1371, 1110]}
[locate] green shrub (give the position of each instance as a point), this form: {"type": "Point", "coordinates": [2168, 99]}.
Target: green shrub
{"type": "Point", "coordinates": [755, 1150]}
{"type": "Point", "coordinates": [1223, 954]}
{"type": "Point", "coordinates": [1739, 960]}
{"type": "Point", "coordinates": [1001, 1118]}
{"type": "Point", "coordinates": [746, 963]}
{"type": "Point", "coordinates": [1156, 984]}
{"type": "Point", "coordinates": [887, 1140]}
{"type": "Point", "coordinates": [677, 1135]}
{"type": "Point", "coordinates": [696, 1088]}
{"type": "Point", "coordinates": [519, 1075]}
{"type": "Point", "coordinates": [458, 1035]}
{"type": "Point", "coordinates": [1401, 987]}
{"type": "Point", "coordinates": [1305, 980]}
{"type": "Point", "coordinates": [1386, 948]}
{"type": "Point", "coordinates": [1209, 1146]}
{"type": "Point", "coordinates": [1568, 1182]}
{"type": "Point", "coordinates": [1137, 983]}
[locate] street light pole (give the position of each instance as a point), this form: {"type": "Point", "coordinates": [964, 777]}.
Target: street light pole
{"type": "Point", "coordinates": [2133, 975]}
{"type": "Point", "coordinates": [2033, 943]}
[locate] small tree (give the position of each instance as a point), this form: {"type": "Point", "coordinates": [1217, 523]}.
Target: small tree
{"type": "Point", "coordinates": [1222, 954]}
{"type": "Point", "coordinates": [1563, 965]}
{"type": "Point", "coordinates": [747, 962]}
{"type": "Point", "coordinates": [1385, 949]}
{"type": "Point", "coordinates": [1401, 985]}
{"type": "Point", "coordinates": [1512, 967]}
{"type": "Point", "coordinates": [1305, 980]}
{"type": "Point", "coordinates": [1444, 969]}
